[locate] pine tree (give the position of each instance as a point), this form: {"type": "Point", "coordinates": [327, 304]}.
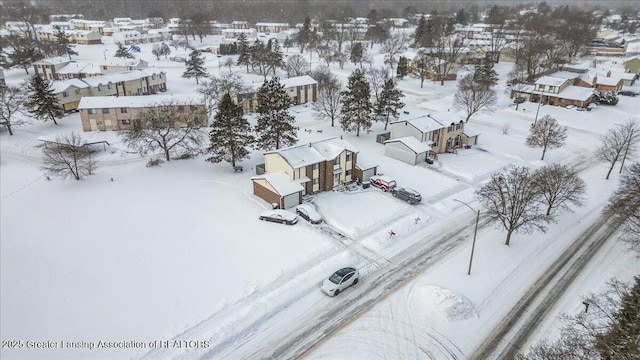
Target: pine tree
{"type": "Point", "coordinates": [356, 53]}
{"type": "Point", "coordinates": [275, 126]}
{"type": "Point", "coordinates": [41, 101]}
{"type": "Point", "coordinates": [122, 52]}
{"type": "Point", "coordinates": [195, 67]}
{"type": "Point", "coordinates": [64, 46]}
{"type": "Point", "coordinates": [275, 59]}
{"type": "Point", "coordinates": [356, 105]}
{"type": "Point", "coordinates": [230, 135]}
{"type": "Point", "coordinates": [389, 102]}
{"type": "Point", "coordinates": [304, 35]}
{"type": "Point", "coordinates": [244, 54]}
{"type": "Point", "coordinates": [485, 75]}
{"type": "Point", "coordinates": [403, 67]}
{"type": "Point", "coordinates": [421, 32]}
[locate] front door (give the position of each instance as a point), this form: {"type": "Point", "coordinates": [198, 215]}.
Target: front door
{"type": "Point", "coordinates": [93, 124]}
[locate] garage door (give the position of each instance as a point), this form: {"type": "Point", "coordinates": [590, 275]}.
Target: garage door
{"type": "Point", "coordinates": [291, 200]}
{"type": "Point", "coordinates": [367, 174]}
{"type": "Point", "coordinates": [400, 152]}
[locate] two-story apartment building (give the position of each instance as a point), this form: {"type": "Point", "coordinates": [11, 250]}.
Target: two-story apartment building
{"type": "Point", "coordinates": [131, 83]}
{"type": "Point", "coordinates": [317, 166]}
{"type": "Point", "coordinates": [301, 90]}
{"type": "Point", "coordinates": [442, 131]}
{"type": "Point", "coordinates": [106, 113]}
{"type": "Point", "coordinates": [556, 90]}
{"type": "Point", "coordinates": [269, 28]}
{"type": "Point", "coordinates": [60, 68]}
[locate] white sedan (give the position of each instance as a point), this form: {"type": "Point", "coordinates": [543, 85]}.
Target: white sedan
{"type": "Point", "coordinates": [279, 216]}
{"type": "Point", "coordinates": [340, 280]}
{"type": "Point", "coordinates": [308, 213]}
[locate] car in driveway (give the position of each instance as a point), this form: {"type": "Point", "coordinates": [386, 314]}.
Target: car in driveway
{"type": "Point", "coordinates": [627, 93]}
{"type": "Point", "coordinates": [340, 280]}
{"type": "Point", "coordinates": [409, 195]}
{"type": "Point", "coordinates": [279, 216]}
{"type": "Point", "coordinates": [308, 213]}
{"type": "Point", "coordinates": [382, 182]}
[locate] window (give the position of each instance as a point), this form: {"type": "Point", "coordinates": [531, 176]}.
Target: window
{"type": "Point", "coordinates": [316, 181]}
{"type": "Point", "coordinates": [316, 166]}
{"type": "Point", "coordinates": [336, 161]}
{"type": "Point", "coordinates": [99, 87]}
{"type": "Point", "coordinates": [105, 110]}
{"type": "Point", "coordinates": [552, 88]}
{"type": "Point", "coordinates": [78, 92]}
{"type": "Point", "coordinates": [160, 75]}
{"type": "Point", "coordinates": [109, 86]}
{"type": "Point", "coordinates": [123, 110]}
{"type": "Point", "coordinates": [347, 173]}
{"type": "Point", "coordinates": [91, 111]}
{"type": "Point", "coordinates": [348, 157]}
{"type": "Point", "coordinates": [65, 94]}
{"type": "Point", "coordinates": [153, 77]}
{"type": "Point", "coordinates": [126, 121]}
{"type": "Point", "coordinates": [104, 68]}
{"type": "Point", "coordinates": [451, 127]}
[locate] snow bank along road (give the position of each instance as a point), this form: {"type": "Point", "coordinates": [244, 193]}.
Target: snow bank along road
{"type": "Point", "coordinates": [299, 317]}
{"type": "Point", "coordinates": [507, 338]}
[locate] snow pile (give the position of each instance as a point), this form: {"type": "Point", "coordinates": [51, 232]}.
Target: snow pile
{"type": "Point", "coordinates": [440, 303]}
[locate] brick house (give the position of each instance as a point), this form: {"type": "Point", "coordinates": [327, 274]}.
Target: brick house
{"type": "Point", "coordinates": [106, 113]}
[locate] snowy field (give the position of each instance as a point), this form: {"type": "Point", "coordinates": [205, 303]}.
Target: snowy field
{"type": "Point", "coordinates": [141, 255]}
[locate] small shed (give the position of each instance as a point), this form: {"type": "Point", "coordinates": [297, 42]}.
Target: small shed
{"type": "Point", "coordinates": [407, 149]}
{"type": "Point", "coordinates": [278, 188]}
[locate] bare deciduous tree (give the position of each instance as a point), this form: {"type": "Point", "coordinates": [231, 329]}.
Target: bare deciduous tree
{"type": "Point", "coordinates": [547, 134]}
{"type": "Point", "coordinates": [625, 204]}
{"type": "Point", "coordinates": [213, 89]}
{"type": "Point", "coordinates": [512, 200]}
{"type": "Point", "coordinates": [392, 48]}
{"type": "Point", "coordinates": [619, 142]}
{"type": "Point", "coordinates": [376, 78]}
{"type": "Point", "coordinates": [559, 187]}
{"type": "Point", "coordinates": [68, 156]}
{"type": "Point", "coordinates": [11, 101]}
{"type": "Point", "coordinates": [296, 65]}
{"type": "Point", "coordinates": [169, 126]}
{"type": "Point", "coordinates": [329, 101]}
{"type": "Point", "coordinates": [474, 97]}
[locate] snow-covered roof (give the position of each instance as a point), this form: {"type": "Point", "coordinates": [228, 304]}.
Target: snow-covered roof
{"type": "Point", "coordinates": [470, 131]}
{"type": "Point", "coordinates": [308, 154]}
{"type": "Point", "coordinates": [121, 62]}
{"type": "Point", "coordinates": [412, 143]}
{"type": "Point", "coordinates": [59, 86]}
{"type": "Point", "coordinates": [573, 92]}
{"type": "Point", "coordinates": [430, 122]}
{"type": "Point", "coordinates": [298, 81]}
{"type": "Point", "coordinates": [565, 75]}
{"type": "Point", "coordinates": [364, 162]}
{"type": "Point", "coordinates": [636, 57]}
{"type": "Point", "coordinates": [118, 77]}
{"type": "Point", "coordinates": [550, 80]}
{"type": "Point", "coordinates": [53, 60]}
{"type": "Point", "coordinates": [77, 67]}
{"type": "Point", "coordinates": [281, 182]}
{"type": "Point", "coordinates": [608, 81]}
{"type": "Point", "coordinates": [97, 102]}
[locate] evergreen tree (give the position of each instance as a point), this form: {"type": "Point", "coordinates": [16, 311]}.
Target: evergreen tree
{"type": "Point", "coordinates": [122, 52]}
{"type": "Point", "coordinates": [230, 135]}
{"type": "Point", "coordinates": [64, 46]}
{"type": "Point", "coordinates": [356, 53]}
{"type": "Point", "coordinates": [165, 50]}
{"type": "Point", "coordinates": [41, 102]}
{"type": "Point", "coordinates": [275, 126]}
{"type": "Point", "coordinates": [389, 102]}
{"type": "Point", "coordinates": [356, 105]}
{"type": "Point", "coordinates": [195, 67]}
{"type": "Point", "coordinates": [403, 68]}
{"type": "Point", "coordinates": [421, 32]}
{"type": "Point", "coordinates": [485, 75]}
{"type": "Point", "coordinates": [244, 54]}
{"type": "Point", "coordinates": [304, 35]}
{"type": "Point", "coordinates": [274, 56]}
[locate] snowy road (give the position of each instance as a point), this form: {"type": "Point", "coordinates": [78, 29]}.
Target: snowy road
{"type": "Point", "coordinates": [509, 336]}
{"type": "Point", "coordinates": [271, 333]}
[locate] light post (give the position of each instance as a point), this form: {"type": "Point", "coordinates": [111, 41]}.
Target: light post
{"type": "Point", "coordinates": [475, 232]}
{"type": "Point", "coordinates": [537, 111]}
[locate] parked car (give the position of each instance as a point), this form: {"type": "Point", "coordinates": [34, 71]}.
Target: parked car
{"type": "Point", "coordinates": [279, 216]}
{"type": "Point", "coordinates": [340, 280]}
{"type": "Point", "coordinates": [308, 213]}
{"type": "Point", "coordinates": [627, 93]}
{"type": "Point", "coordinates": [409, 195]}
{"type": "Point", "coordinates": [383, 182]}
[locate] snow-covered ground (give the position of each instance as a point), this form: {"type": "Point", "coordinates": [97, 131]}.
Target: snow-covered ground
{"type": "Point", "coordinates": [137, 255]}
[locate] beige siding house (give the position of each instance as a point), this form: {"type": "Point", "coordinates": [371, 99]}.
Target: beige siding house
{"type": "Point", "coordinates": [442, 131]}
{"type": "Point", "coordinates": [106, 113]}
{"type": "Point", "coordinates": [301, 90]}
{"type": "Point", "coordinates": [317, 166]}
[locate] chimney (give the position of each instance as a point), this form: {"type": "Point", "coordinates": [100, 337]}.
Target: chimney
{"type": "Point", "coordinates": [609, 73]}
{"type": "Point", "coordinates": [595, 81]}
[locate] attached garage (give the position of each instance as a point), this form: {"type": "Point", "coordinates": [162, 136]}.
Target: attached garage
{"type": "Point", "coordinates": [365, 168]}
{"type": "Point", "coordinates": [407, 149]}
{"type": "Point", "coordinates": [278, 188]}
{"type": "Point", "coordinates": [470, 136]}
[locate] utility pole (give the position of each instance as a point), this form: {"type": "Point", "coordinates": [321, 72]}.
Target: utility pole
{"type": "Point", "coordinates": [475, 233]}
